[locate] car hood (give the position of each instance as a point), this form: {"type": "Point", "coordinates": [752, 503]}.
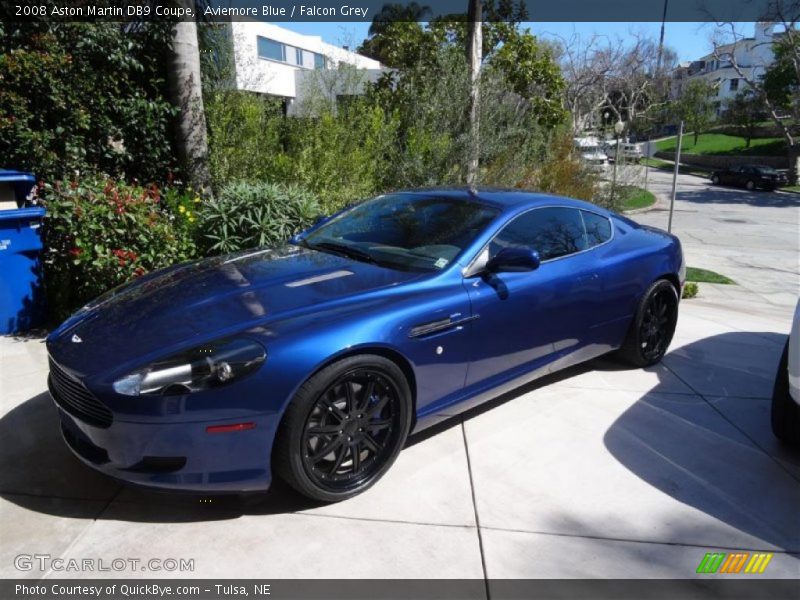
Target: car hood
{"type": "Point", "coordinates": [203, 300]}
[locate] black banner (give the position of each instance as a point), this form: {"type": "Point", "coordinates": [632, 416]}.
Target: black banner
{"type": "Point", "coordinates": [401, 589]}
{"type": "Point", "coordinates": [367, 10]}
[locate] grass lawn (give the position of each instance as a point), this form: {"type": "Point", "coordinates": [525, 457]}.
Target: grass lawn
{"type": "Point", "coordinates": [706, 276]}
{"type": "Point", "coordinates": [717, 143]}
{"type": "Point", "coordinates": [633, 197]}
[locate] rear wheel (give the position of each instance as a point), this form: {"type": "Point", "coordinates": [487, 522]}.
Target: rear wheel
{"type": "Point", "coordinates": [715, 179]}
{"type": "Point", "coordinates": [750, 185]}
{"type": "Point", "coordinates": [653, 326]}
{"type": "Point", "coordinates": [785, 413]}
{"type": "Point", "coordinates": [344, 428]}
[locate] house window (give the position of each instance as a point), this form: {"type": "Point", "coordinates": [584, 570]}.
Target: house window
{"type": "Point", "coordinates": [271, 49]}
{"type": "Point", "coordinates": [291, 55]}
{"type": "Point", "coordinates": [734, 85]}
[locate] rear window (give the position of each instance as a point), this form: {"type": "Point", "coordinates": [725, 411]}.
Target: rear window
{"type": "Point", "coordinates": [598, 228]}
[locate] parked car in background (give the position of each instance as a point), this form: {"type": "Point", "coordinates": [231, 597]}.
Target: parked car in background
{"type": "Point", "coordinates": [786, 393]}
{"type": "Point", "coordinates": [750, 177]}
{"type": "Point", "coordinates": [591, 153]}
{"type": "Point", "coordinates": [314, 361]}
{"type": "Point", "coordinates": [627, 152]}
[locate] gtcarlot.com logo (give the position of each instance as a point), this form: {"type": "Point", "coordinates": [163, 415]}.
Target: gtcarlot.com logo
{"type": "Point", "coordinates": [734, 563]}
{"type": "Point", "coordinates": [46, 562]}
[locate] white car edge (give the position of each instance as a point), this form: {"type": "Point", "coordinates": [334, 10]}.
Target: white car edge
{"type": "Point", "coordinates": [786, 393]}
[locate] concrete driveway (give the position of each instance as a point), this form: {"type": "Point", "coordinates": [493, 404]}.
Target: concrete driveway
{"type": "Point", "coordinates": [598, 472]}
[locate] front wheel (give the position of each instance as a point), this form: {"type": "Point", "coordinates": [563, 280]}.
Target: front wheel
{"type": "Point", "coordinates": [750, 185]}
{"type": "Point", "coordinates": [344, 428]}
{"type": "Point", "coordinates": [653, 326]}
{"type": "Point", "coordinates": [715, 179]}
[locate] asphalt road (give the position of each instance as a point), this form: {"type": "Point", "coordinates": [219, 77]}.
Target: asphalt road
{"type": "Point", "coordinates": [752, 237]}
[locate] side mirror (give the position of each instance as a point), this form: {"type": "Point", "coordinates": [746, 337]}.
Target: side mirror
{"type": "Point", "coordinates": [514, 260]}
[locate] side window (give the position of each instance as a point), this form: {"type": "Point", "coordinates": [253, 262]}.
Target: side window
{"type": "Point", "coordinates": [552, 232]}
{"type": "Point", "coordinates": [598, 229]}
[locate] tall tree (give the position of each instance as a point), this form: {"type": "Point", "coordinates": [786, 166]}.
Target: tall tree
{"type": "Point", "coordinates": [695, 107]}
{"type": "Point", "coordinates": [775, 82]}
{"type": "Point", "coordinates": [744, 112]}
{"type": "Point", "coordinates": [187, 94]}
{"type": "Point", "coordinates": [474, 56]}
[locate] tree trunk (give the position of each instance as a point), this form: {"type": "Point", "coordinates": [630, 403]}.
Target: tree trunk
{"type": "Point", "coordinates": [696, 134]}
{"type": "Point", "coordinates": [474, 55]}
{"type": "Point", "coordinates": [186, 92]}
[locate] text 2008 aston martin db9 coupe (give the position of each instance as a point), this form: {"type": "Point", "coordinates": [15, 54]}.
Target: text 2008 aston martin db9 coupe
{"type": "Point", "coordinates": [319, 358]}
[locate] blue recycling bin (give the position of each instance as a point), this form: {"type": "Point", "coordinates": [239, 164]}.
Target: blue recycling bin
{"type": "Point", "coordinates": [21, 294]}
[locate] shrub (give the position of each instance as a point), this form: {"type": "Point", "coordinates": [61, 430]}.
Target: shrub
{"type": "Point", "coordinates": [689, 290]}
{"type": "Point", "coordinates": [100, 233]}
{"type": "Point", "coordinates": [88, 97]}
{"type": "Point", "coordinates": [560, 171]}
{"type": "Point", "coordinates": [245, 215]}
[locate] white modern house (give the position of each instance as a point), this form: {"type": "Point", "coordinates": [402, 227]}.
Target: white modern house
{"type": "Point", "coordinates": [753, 55]}
{"type": "Point", "coordinates": [276, 61]}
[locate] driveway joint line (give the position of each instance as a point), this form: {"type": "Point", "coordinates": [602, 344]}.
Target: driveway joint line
{"type": "Point", "coordinates": [634, 541]}
{"type": "Point", "coordinates": [475, 509]}
{"type": "Point", "coordinates": [755, 443]}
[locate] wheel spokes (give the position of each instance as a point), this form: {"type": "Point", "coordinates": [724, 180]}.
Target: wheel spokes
{"type": "Point", "coordinates": [349, 428]}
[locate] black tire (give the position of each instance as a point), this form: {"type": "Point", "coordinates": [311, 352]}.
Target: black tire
{"type": "Point", "coordinates": [785, 415]}
{"type": "Point", "coordinates": [750, 185]}
{"type": "Point", "coordinates": [359, 410]}
{"type": "Point", "coordinates": [653, 326]}
{"type": "Point", "coordinates": [715, 179]}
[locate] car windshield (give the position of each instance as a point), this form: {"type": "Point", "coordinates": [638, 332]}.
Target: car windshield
{"type": "Point", "coordinates": [765, 170]}
{"type": "Point", "coordinates": [404, 231]}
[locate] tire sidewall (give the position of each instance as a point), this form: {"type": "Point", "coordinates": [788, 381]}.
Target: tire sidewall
{"type": "Point", "coordinates": [657, 287]}
{"type": "Point", "coordinates": [291, 433]}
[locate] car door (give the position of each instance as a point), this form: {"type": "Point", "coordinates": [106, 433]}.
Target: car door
{"type": "Point", "coordinates": [525, 320]}
{"type": "Point", "coordinates": [742, 175]}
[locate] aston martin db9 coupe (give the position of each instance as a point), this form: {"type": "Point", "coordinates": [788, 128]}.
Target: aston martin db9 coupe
{"type": "Point", "coordinates": [315, 361]}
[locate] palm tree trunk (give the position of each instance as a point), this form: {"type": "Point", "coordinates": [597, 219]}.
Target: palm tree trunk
{"type": "Point", "coordinates": [186, 91]}
{"type": "Point", "coordinates": [474, 55]}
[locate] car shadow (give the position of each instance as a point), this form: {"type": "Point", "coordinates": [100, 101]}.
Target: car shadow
{"type": "Point", "coordinates": [708, 193]}
{"type": "Point", "coordinates": [709, 452]}
{"type": "Point", "coordinates": [673, 448]}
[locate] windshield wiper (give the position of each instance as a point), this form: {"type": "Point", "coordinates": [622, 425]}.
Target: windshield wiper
{"type": "Point", "coordinates": [344, 250]}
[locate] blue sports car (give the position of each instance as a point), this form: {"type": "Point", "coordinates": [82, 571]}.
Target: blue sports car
{"type": "Point", "coordinates": [316, 360]}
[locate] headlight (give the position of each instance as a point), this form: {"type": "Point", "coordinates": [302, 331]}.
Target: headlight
{"type": "Point", "coordinates": [201, 368]}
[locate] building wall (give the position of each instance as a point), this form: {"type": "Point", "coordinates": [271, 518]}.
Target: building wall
{"type": "Point", "coordinates": [752, 55]}
{"type": "Point", "coordinates": [266, 76]}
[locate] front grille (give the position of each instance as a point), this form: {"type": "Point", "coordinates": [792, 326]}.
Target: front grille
{"type": "Point", "coordinates": [74, 398]}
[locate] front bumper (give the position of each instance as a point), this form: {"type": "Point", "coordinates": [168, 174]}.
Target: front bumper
{"type": "Point", "coordinates": [175, 456]}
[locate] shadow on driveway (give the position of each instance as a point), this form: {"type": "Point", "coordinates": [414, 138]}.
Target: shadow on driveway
{"type": "Point", "coordinates": [682, 447]}
{"type": "Point", "coordinates": [677, 443]}
{"type": "Point", "coordinates": [707, 193]}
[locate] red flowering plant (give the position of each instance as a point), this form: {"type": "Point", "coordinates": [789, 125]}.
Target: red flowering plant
{"type": "Point", "coordinates": [99, 233]}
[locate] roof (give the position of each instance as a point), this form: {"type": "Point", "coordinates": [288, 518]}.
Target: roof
{"type": "Point", "coordinates": [503, 198]}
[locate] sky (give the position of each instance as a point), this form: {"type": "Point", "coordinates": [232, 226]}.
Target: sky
{"type": "Point", "coordinates": [689, 40]}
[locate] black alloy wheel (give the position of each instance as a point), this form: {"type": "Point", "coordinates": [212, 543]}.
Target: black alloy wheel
{"type": "Point", "coordinates": [715, 179]}
{"type": "Point", "coordinates": [350, 429]}
{"type": "Point", "coordinates": [657, 327]}
{"type": "Point", "coordinates": [344, 428]}
{"type": "Point", "coordinates": [653, 326]}
{"type": "Point", "coordinates": [750, 185]}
